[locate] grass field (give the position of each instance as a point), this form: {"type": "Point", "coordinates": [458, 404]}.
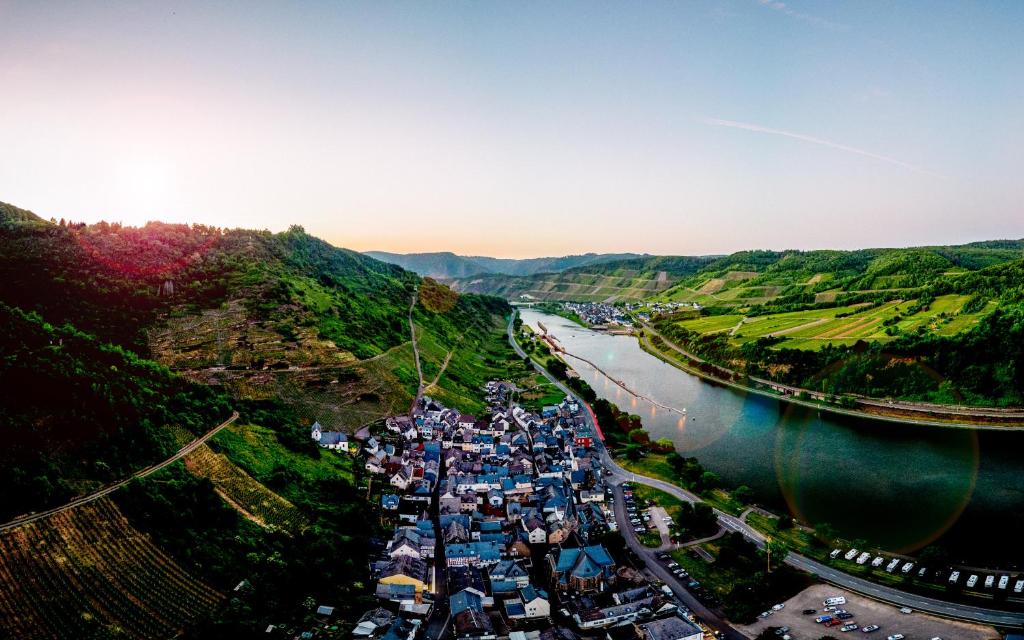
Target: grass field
{"type": "Point", "coordinates": [815, 328]}
{"type": "Point", "coordinates": [257, 451]}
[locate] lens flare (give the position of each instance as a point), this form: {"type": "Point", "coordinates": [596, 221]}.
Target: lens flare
{"type": "Point", "coordinates": [819, 471]}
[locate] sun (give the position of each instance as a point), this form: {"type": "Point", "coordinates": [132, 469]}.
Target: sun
{"type": "Point", "coordinates": [141, 188]}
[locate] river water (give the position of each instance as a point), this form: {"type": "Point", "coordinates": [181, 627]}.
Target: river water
{"type": "Point", "coordinates": [897, 486]}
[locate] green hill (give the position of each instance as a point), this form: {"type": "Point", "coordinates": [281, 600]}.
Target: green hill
{"type": "Point", "coordinates": [447, 265]}
{"type": "Point", "coordinates": [121, 344]}
{"type": "Point", "coordinates": [750, 278]}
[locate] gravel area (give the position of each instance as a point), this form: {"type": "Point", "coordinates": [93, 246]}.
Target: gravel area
{"type": "Point", "coordinates": [915, 626]}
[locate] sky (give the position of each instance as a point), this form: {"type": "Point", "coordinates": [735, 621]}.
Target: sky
{"type": "Point", "coordinates": [519, 129]}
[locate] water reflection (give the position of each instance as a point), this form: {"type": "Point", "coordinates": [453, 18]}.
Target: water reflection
{"type": "Point", "coordinates": [897, 485]}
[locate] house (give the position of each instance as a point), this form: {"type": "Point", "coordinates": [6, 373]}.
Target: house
{"type": "Point", "coordinates": [455, 532]}
{"type": "Point", "coordinates": [330, 439]}
{"type": "Point", "coordinates": [414, 542]}
{"type": "Point", "coordinates": [605, 617]}
{"type": "Point", "coordinates": [483, 553]}
{"type": "Point", "coordinates": [510, 570]}
{"type": "Point", "coordinates": [401, 629]}
{"type": "Point", "coordinates": [531, 604]}
{"type": "Point", "coordinates": [373, 623]}
{"type": "Point", "coordinates": [465, 599]}
{"type": "Point", "coordinates": [401, 478]}
{"type": "Point", "coordinates": [671, 628]}
{"type": "Point", "coordinates": [389, 502]}
{"type": "Point", "coordinates": [473, 625]}
{"type": "Point", "coordinates": [587, 569]}
{"type": "Point", "coordinates": [408, 572]}
{"type": "Point", "coordinates": [371, 445]}
{"type": "Point", "coordinates": [535, 528]}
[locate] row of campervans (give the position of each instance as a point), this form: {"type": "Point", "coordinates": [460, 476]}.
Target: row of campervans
{"type": "Point", "coordinates": [1004, 582]}
{"type": "Point", "coordinates": [863, 556]}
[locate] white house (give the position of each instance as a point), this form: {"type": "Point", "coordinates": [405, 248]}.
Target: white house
{"type": "Point", "coordinates": [330, 439]}
{"type": "Point", "coordinates": [402, 478]}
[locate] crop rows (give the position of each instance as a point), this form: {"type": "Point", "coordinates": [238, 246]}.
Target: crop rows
{"type": "Point", "coordinates": [264, 506]}
{"type": "Point", "coordinates": [87, 572]}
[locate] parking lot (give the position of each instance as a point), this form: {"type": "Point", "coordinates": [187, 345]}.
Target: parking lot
{"type": "Point", "coordinates": [915, 626]}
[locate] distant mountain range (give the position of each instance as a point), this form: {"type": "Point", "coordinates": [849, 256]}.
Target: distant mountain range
{"type": "Point", "coordinates": [444, 264]}
{"type": "Point", "coordinates": [749, 278]}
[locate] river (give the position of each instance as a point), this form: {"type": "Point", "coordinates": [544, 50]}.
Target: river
{"type": "Point", "coordinates": [898, 486]}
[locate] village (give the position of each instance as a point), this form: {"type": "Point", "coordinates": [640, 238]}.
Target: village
{"type": "Point", "coordinates": [622, 314]}
{"type": "Point", "coordinates": [502, 528]}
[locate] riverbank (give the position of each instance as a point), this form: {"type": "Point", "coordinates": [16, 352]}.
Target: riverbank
{"type": "Point", "coordinates": [817, 544]}
{"type": "Point", "coordinates": [679, 359]}
{"type": "Point", "coordinates": [721, 400]}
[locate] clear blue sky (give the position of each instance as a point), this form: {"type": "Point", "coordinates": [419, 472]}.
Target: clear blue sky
{"type": "Point", "coordinates": [526, 128]}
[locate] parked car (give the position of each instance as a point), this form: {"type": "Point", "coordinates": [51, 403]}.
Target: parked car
{"type": "Point", "coordinates": [871, 628]}
{"type": "Point", "coordinates": [844, 615]}
{"type": "Point", "coordinates": [778, 607]}
{"type": "Point", "coordinates": [896, 636]}
{"type": "Point", "coordinates": [906, 610]}
{"type": "Point", "coordinates": [808, 612]}
{"type": "Point", "coordinates": [848, 627]}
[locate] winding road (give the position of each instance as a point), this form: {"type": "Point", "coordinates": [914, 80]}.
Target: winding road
{"type": "Point", "coordinates": [107, 490]}
{"type": "Point", "coordinates": [828, 574]}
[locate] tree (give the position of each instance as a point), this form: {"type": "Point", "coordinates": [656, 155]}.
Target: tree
{"type": "Point", "coordinates": [775, 552]}
{"type": "Point", "coordinates": [743, 494]}
{"type": "Point", "coordinates": [676, 461]}
{"type": "Point", "coordinates": [558, 368]}
{"type": "Point", "coordinates": [784, 522]}
{"type": "Point", "coordinates": [709, 480]}
{"type": "Point", "coordinates": [634, 452]}
{"type": "Point", "coordinates": [825, 532]}
{"type": "Point", "coordinates": [704, 520]}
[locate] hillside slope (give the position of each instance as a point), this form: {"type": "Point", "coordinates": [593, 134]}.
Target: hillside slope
{"type": "Point", "coordinates": [448, 265]}
{"type": "Point", "coordinates": [749, 278]}
{"type": "Point", "coordinates": [120, 344]}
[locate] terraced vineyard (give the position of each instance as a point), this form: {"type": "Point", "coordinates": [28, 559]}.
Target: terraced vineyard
{"type": "Point", "coordinates": [229, 336]}
{"type": "Point", "coordinates": [241, 491]}
{"type": "Point", "coordinates": [813, 329]}
{"type": "Point", "coordinates": [87, 572]}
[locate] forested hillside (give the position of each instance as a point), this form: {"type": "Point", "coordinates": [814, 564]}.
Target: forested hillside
{"type": "Point", "coordinates": [750, 278]}
{"type": "Point", "coordinates": [119, 345]}
{"type": "Point", "coordinates": [444, 264]}
{"type": "Point", "coordinates": [78, 412]}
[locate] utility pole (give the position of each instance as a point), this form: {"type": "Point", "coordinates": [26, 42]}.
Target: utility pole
{"type": "Point", "coordinates": [768, 548]}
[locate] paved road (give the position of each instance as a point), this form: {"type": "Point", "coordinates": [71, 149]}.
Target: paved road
{"type": "Point", "coordinates": [96, 495]}
{"type": "Point", "coordinates": [825, 572]}
{"type": "Point", "coordinates": [834, 576]}
{"type": "Point", "coordinates": [440, 616]}
{"type": "Point", "coordinates": [656, 568]}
